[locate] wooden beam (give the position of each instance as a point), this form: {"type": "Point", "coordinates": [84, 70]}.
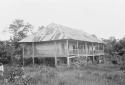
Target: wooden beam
{"type": "Point", "coordinates": [86, 47]}
{"type": "Point", "coordinates": [72, 57]}
{"type": "Point", "coordinates": [86, 52]}
{"type": "Point", "coordinates": [93, 53]}
{"type": "Point", "coordinates": [23, 55]}
{"type": "Point", "coordinates": [68, 61]}
{"type": "Point", "coordinates": [55, 54]}
{"type": "Point", "coordinates": [78, 48]}
{"type": "Point", "coordinates": [103, 53]}
{"type": "Point", "coordinates": [103, 48]}
{"type": "Point", "coordinates": [97, 48]}
{"type": "Point", "coordinates": [83, 48]}
{"type": "Point", "coordinates": [67, 46]}
{"type": "Point", "coordinates": [33, 52]}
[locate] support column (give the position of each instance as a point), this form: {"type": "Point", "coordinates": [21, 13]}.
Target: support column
{"type": "Point", "coordinates": [103, 53]}
{"type": "Point", "coordinates": [83, 49]}
{"type": "Point", "coordinates": [23, 55]}
{"type": "Point", "coordinates": [99, 54]}
{"type": "Point", "coordinates": [103, 49]}
{"type": "Point", "coordinates": [67, 47]}
{"type": "Point", "coordinates": [86, 52]}
{"type": "Point", "coordinates": [98, 50]}
{"type": "Point", "coordinates": [33, 52]}
{"type": "Point", "coordinates": [55, 54]}
{"type": "Point", "coordinates": [78, 48]}
{"type": "Point", "coordinates": [68, 61]}
{"type": "Point", "coordinates": [93, 53]}
{"type": "Point", "coordinates": [83, 52]}
{"type": "Point", "coordinates": [86, 48]}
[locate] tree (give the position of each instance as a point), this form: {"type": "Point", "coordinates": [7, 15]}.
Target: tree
{"type": "Point", "coordinates": [110, 45]}
{"type": "Point", "coordinates": [5, 51]}
{"type": "Point", "coordinates": [18, 30]}
{"type": "Point", "coordinates": [115, 49]}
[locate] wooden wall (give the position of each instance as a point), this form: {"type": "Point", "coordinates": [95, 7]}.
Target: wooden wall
{"type": "Point", "coordinates": [46, 49]}
{"type": "Point", "coordinates": [57, 48]}
{"type": "Point", "coordinates": [28, 50]}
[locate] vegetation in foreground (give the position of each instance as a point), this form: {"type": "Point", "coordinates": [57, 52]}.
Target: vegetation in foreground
{"type": "Point", "coordinates": [87, 75]}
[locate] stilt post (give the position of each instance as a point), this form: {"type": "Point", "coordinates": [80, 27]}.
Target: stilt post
{"type": "Point", "coordinates": [93, 53]}
{"type": "Point", "coordinates": [78, 48]}
{"type": "Point", "coordinates": [103, 53]}
{"type": "Point", "coordinates": [83, 49]}
{"type": "Point", "coordinates": [103, 49]}
{"type": "Point", "coordinates": [55, 54]}
{"type": "Point", "coordinates": [33, 52]}
{"type": "Point", "coordinates": [67, 46]}
{"type": "Point", "coordinates": [86, 52]}
{"type": "Point", "coordinates": [98, 49]}
{"type": "Point", "coordinates": [23, 55]}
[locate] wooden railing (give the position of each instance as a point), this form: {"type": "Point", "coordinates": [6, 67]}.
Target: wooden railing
{"type": "Point", "coordinates": [85, 52]}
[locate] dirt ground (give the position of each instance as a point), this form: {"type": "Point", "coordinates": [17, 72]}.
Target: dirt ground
{"type": "Point", "coordinates": [101, 74]}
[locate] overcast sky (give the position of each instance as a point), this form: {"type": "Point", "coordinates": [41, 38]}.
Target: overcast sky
{"type": "Point", "coordinates": [103, 18]}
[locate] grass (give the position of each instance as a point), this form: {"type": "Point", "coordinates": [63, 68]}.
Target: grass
{"type": "Point", "coordinates": [86, 75]}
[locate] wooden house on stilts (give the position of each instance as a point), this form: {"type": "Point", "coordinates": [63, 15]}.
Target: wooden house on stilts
{"type": "Point", "coordinates": [57, 44]}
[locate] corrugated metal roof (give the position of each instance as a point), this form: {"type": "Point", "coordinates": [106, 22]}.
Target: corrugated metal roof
{"type": "Point", "coordinates": [58, 32]}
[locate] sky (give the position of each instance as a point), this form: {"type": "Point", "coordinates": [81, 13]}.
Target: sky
{"type": "Point", "coordinates": [104, 18]}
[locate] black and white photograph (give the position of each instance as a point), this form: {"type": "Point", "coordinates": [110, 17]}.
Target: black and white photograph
{"type": "Point", "coordinates": [62, 42]}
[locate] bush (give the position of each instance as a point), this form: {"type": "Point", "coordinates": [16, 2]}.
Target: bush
{"type": "Point", "coordinates": [62, 82]}
{"type": "Point", "coordinates": [114, 62]}
{"type": "Point", "coordinates": [115, 78]}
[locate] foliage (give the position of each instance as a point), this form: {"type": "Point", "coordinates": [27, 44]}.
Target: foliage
{"type": "Point", "coordinates": [18, 30]}
{"type": "Point", "coordinates": [115, 48]}
{"type": "Point", "coordinates": [10, 49]}
{"type": "Point", "coordinates": [110, 45]}
{"type": "Point", "coordinates": [5, 51]}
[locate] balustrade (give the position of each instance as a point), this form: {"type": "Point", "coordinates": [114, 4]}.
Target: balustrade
{"type": "Point", "coordinates": [85, 52]}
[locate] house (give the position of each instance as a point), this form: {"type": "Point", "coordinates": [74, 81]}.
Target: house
{"type": "Point", "coordinates": [57, 44]}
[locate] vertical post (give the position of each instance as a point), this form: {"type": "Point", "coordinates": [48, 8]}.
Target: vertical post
{"type": "Point", "coordinates": [99, 52]}
{"type": "Point", "coordinates": [103, 49]}
{"type": "Point", "coordinates": [87, 48]}
{"type": "Point", "coordinates": [78, 48]}
{"type": "Point", "coordinates": [67, 46]}
{"type": "Point", "coordinates": [23, 55]}
{"type": "Point", "coordinates": [86, 52]}
{"type": "Point", "coordinates": [98, 49]}
{"type": "Point", "coordinates": [93, 53]}
{"type": "Point", "coordinates": [83, 49]}
{"type": "Point", "coordinates": [103, 53]}
{"type": "Point", "coordinates": [33, 52]}
{"type": "Point", "coordinates": [55, 54]}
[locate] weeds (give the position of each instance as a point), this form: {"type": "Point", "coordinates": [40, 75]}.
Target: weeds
{"type": "Point", "coordinates": [62, 82]}
{"type": "Point", "coordinates": [42, 75]}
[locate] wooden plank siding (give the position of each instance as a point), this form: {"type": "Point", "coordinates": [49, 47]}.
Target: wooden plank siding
{"type": "Point", "coordinates": [46, 49]}
{"type": "Point", "coordinates": [75, 48]}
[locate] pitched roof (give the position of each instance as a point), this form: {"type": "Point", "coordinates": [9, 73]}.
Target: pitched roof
{"type": "Point", "coordinates": [58, 32]}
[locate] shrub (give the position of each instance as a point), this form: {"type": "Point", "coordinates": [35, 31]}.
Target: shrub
{"type": "Point", "coordinates": [115, 78]}
{"type": "Point", "coordinates": [62, 82]}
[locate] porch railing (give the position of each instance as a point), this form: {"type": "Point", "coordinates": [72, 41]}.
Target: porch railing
{"type": "Point", "coordinates": [85, 52]}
